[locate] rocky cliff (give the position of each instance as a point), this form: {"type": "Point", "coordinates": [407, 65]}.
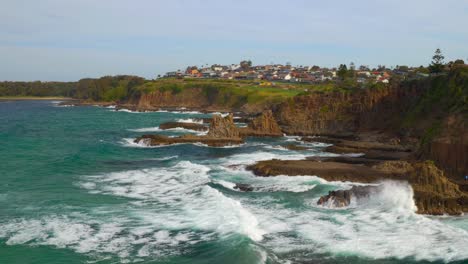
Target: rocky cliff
{"type": "Point", "coordinates": [434, 193]}
{"type": "Point", "coordinates": [344, 112]}
{"type": "Point", "coordinates": [190, 98]}
{"type": "Point", "coordinates": [449, 149]}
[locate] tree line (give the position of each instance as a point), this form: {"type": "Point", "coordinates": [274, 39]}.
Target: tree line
{"type": "Point", "coordinates": [37, 88]}
{"type": "Point", "coordinates": [107, 88]}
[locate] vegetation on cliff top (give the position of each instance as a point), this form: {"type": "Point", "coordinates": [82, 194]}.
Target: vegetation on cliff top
{"type": "Point", "coordinates": [444, 95]}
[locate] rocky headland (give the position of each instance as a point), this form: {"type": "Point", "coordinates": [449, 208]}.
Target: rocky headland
{"type": "Point", "coordinates": [411, 131]}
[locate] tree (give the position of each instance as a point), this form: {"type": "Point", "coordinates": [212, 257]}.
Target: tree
{"type": "Point", "coordinates": [246, 64]}
{"type": "Point", "coordinates": [342, 71]}
{"type": "Point", "coordinates": [315, 68]}
{"type": "Point", "coordinates": [364, 68]}
{"type": "Point", "coordinates": [352, 70]}
{"type": "Point", "coordinates": [437, 64]}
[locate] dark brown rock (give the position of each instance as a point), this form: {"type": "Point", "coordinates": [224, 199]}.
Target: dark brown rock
{"type": "Point", "coordinates": [434, 193]}
{"type": "Point", "coordinates": [243, 187]}
{"type": "Point", "coordinates": [342, 198]}
{"type": "Point", "coordinates": [295, 147]}
{"type": "Point", "coordinates": [222, 132]}
{"type": "Point", "coordinates": [264, 125]}
{"type": "Point", "coordinates": [223, 127]}
{"type": "Point", "coordinates": [330, 171]}
{"type": "Point", "coordinates": [160, 140]}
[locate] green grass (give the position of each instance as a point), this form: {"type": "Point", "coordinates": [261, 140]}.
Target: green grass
{"type": "Point", "coordinates": [225, 92]}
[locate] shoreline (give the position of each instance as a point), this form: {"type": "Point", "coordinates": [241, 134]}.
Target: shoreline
{"type": "Point", "coordinates": [34, 98]}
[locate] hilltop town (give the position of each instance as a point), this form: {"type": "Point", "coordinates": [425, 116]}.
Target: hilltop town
{"type": "Point", "coordinates": [299, 74]}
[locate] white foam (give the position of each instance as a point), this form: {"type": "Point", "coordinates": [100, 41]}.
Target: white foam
{"type": "Point", "coordinates": [386, 227]}
{"type": "Point", "coordinates": [129, 111]}
{"type": "Point", "coordinates": [180, 112]}
{"type": "Point", "coordinates": [251, 158]}
{"type": "Point", "coordinates": [221, 114]}
{"type": "Point", "coordinates": [190, 120]}
{"type": "Point", "coordinates": [63, 105]}
{"type": "Point", "coordinates": [146, 129]}
{"type": "Point", "coordinates": [183, 196]}
{"type": "Point", "coordinates": [97, 237]}
{"type": "Point", "coordinates": [175, 129]}
{"type": "Point", "coordinates": [130, 142]}
{"type": "Point", "coordinates": [165, 158]}
{"type": "Point", "coordinates": [227, 146]}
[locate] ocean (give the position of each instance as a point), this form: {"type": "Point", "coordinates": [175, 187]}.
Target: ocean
{"type": "Point", "coordinates": [74, 188]}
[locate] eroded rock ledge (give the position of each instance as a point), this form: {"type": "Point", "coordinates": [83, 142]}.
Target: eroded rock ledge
{"type": "Point", "coordinates": [222, 132]}
{"type": "Point", "coordinates": [434, 193]}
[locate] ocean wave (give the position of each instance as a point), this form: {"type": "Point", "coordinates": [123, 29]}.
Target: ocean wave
{"type": "Point", "coordinates": [128, 111]}
{"type": "Point", "coordinates": [221, 114]}
{"type": "Point", "coordinates": [296, 184]}
{"type": "Point", "coordinates": [175, 129]}
{"type": "Point", "coordinates": [180, 112]}
{"type": "Point", "coordinates": [98, 237]}
{"type": "Point", "coordinates": [386, 227]}
{"type": "Point", "coordinates": [190, 120]}
{"type": "Point", "coordinates": [146, 129]}
{"type": "Point", "coordinates": [251, 158]}
{"type": "Point", "coordinates": [130, 142]}
{"type": "Point", "coordinates": [199, 144]}
{"type": "Point", "coordinates": [185, 199]}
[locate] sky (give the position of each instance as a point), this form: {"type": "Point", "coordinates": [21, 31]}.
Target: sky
{"type": "Point", "coordinates": [66, 40]}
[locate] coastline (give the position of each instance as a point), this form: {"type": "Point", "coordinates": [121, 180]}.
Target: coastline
{"type": "Point", "coordinates": [35, 98]}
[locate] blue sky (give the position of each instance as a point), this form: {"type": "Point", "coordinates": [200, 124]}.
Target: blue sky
{"type": "Point", "coordinates": [66, 40]}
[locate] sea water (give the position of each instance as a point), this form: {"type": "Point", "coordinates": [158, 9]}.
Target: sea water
{"type": "Point", "coordinates": [74, 188]}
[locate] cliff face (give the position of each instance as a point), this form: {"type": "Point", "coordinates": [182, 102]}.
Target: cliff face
{"type": "Point", "coordinates": [449, 149]}
{"type": "Point", "coordinates": [340, 113]}
{"type": "Point", "coordinates": [433, 111]}
{"type": "Point", "coordinates": [193, 98]}
{"type": "Point", "coordinates": [434, 193]}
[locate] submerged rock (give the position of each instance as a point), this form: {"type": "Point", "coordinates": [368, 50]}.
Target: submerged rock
{"type": "Point", "coordinates": [243, 187]}
{"type": "Point", "coordinates": [161, 140]}
{"type": "Point", "coordinates": [295, 147]}
{"type": "Point", "coordinates": [342, 198]}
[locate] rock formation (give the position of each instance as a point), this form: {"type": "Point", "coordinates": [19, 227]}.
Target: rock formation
{"type": "Point", "coordinates": [434, 193]}
{"type": "Point", "coordinates": [342, 198]}
{"type": "Point", "coordinates": [222, 132]}
{"type": "Point", "coordinates": [223, 127]}
{"type": "Point", "coordinates": [264, 125]}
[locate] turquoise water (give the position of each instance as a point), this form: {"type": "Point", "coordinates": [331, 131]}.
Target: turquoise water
{"type": "Point", "coordinates": [75, 189]}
